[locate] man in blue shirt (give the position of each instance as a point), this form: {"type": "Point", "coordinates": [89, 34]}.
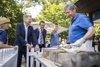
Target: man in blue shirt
{"type": "Point", "coordinates": [80, 29]}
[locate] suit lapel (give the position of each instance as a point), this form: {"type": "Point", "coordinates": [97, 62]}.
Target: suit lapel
{"type": "Point", "coordinates": [28, 32]}
{"type": "Point", "coordinates": [38, 32]}
{"type": "Point", "coordinates": [43, 32]}
{"type": "Point", "coordinates": [23, 29]}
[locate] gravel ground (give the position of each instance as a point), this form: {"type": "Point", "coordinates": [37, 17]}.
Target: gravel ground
{"type": "Point", "coordinates": [23, 62]}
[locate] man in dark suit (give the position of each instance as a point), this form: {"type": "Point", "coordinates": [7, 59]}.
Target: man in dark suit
{"type": "Point", "coordinates": [41, 34]}
{"type": "Point", "coordinates": [25, 37]}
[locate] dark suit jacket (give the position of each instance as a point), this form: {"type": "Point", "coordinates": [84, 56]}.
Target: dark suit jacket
{"type": "Point", "coordinates": [20, 36]}
{"type": "Point", "coordinates": [43, 32]}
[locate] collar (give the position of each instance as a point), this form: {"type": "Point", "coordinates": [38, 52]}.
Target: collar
{"type": "Point", "coordinates": [25, 25]}
{"type": "Point", "coordinates": [40, 28]}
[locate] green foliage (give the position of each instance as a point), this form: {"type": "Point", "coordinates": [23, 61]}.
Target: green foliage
{"type": "Point", "coordinates": [54, 1]}
{"type": "Point", "coordinates": [55, 14]}
{"type": "Point", "coordinates": [9, 9]}
{"type": "Point", "coordinates": [26, 5]}
{"type": "Point", "coordinates": [97, 28]}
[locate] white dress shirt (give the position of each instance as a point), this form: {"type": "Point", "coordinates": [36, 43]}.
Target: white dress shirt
{"type": "Point", "coordinates": [40, 36]}
{"type": "Point", "coordinates": [26, 31]}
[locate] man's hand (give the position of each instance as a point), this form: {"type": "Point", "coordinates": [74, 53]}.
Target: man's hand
{"type": "Point", "coordinates": [15, 47]}
{"type": "Point", "coordinates": [29, 46]}
{"type": "Point", "coordinates": [36, 48]}
{"type": "Point", "coordinates": [78, 42]}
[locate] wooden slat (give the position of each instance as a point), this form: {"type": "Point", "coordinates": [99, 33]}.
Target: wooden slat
{"type": "Point", "coordinates": [47, 62]}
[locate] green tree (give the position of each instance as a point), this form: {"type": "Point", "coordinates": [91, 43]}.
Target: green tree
{"type": "Point", "coordinates": [54, 1]}
{"type": "Point", "coordinates": [9, 9]}
{"type": "Point", "coordinates": [97, 28]}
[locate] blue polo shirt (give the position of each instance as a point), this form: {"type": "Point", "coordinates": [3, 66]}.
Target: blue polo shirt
{"type": "Point", "coordinates": [3, 36]}
{"type": "Point", "coordinates": [78, 27]}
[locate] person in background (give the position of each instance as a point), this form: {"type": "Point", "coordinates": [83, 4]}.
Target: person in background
{"type": "Point", "coordinates": [54, 37]}
{"type": "Point", "coordinates": [41, 34]}
{"type": "Point", "coordinates": [4, 25]}
{"type": "Point", "coordinates": [59, 41]}
{"type": "Point", "coordinates": [25, 37]}
{"type": "Point", "coordinates": [63, 41]}
{"type": "Point", "coordinates": [96, 43]}
{"type": "Point", "coordinates": [81, 30]}
{"type": "Point", "coordinates": [67, 42]}
{"type": "Point", "coordinates": [47, 44]}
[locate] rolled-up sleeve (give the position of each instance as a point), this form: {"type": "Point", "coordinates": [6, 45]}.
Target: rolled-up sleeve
{"type": "Point", "coordinates": [85, 23]}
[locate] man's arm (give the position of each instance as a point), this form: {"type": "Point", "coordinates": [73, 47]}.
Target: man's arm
{"type": "Point", "coordinates": [2, 45]}
{"type": "Point", "coordinates": [35, 41]}
{"type": "Point", "coordinates": [86, 24]}
{"type": "Point", "coordinates": [52, 31]}
{"type": "Point", "coordinates": [90, 33]}
{"type": "Point", "coordinates": [45, 33]}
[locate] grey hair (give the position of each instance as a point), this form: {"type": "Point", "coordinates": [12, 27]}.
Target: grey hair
{"type": "Point", "coordinates": [70, 6]}
{"type": "Point", "coordinates": [26, 16]}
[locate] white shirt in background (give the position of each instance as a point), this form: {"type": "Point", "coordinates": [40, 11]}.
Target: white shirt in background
{"type": "Point", "coordinates": [26, 31]}
{"type": "Point", "coordinates": [40, 36]}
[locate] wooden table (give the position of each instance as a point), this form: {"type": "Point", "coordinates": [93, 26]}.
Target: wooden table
{"type": "Point", "coordinates": [80, 59]}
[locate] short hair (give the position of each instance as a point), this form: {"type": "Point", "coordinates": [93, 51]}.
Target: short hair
{"type": "Point", "coordinates": [41, 22]}
{"type": "Point", "coordinates": [70, 6]}
{"type": "Point", "coordinates": [26, 16]}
